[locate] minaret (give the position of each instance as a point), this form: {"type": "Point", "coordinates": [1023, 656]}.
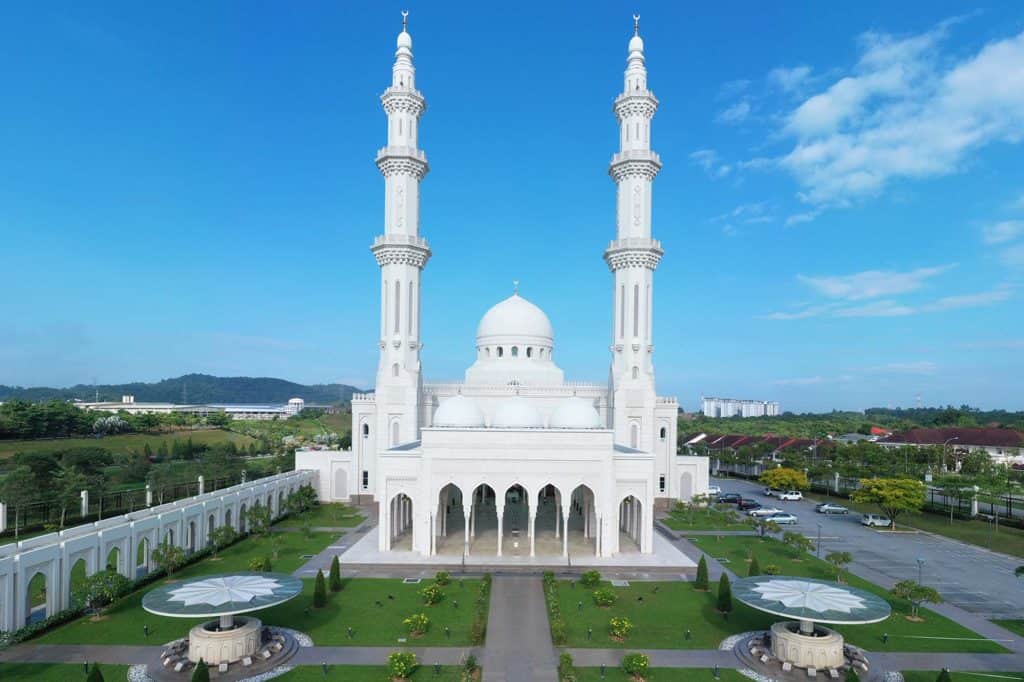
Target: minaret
{"type": "Point", "coordinates": [401, 254]}
{"type": "Point", "coordinates": [633, 256]}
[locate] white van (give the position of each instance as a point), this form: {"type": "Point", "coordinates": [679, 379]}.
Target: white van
{"type": "Point", "coordinates": [875, 520]}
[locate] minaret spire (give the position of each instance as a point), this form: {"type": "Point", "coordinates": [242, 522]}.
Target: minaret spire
{"type": "Point", "coordinates": [401, 253]}
{"type": "Point", "coordinates": [633, 255]}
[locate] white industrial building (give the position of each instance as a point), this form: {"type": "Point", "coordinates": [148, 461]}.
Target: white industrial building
{"type": "Point", "coordinates": [513, 456]}
{"type": "Point", "coordinates": [735, 407]}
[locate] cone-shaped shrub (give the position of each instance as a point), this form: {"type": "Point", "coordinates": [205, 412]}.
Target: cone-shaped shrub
{"type": "Point", "coordinates": [201, 672]}
{"type": "Point", "coordinates": [335, 579]}
{"type": "Point", "coordinates": [852, 676]}
{"type": "Point", "coordinates": [94, 674]}
{"type": "Point", "coordinates": [944, 676]}
{"type": "Point", "coordinates": [266, 568]}
{"type": "Point", "coordinates": [319, 591]}
{"type": "Point", "coordinates": [755, 568]}
{"type": "Point", "coordinates": [724, 594]}
{"type": "Point", "coordinates": [702, 574]}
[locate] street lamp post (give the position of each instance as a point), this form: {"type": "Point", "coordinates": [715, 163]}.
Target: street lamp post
{"type": "Point", "coordinates": [817, 550]}
{"type": "Point", "coordinates": [947, 442]}
{"type": "Point", "coordinates": [920, 569]}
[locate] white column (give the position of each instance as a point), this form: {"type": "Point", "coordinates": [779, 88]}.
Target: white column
{"type": "Point", "coordinates": [149, 496]}
{"type": "Point", "coordinates": [501, 513]}
{"type": "Point", "coordinates": [533, 535]}
{"type": "Point", "coordinates": [565, 532]}
{"type": "Point", "coordinates": [201, 485]}
{"type": "Point", "coordinates": [472, 521]}
{"type": "Point", "coordinates": [597, 537]}
{"type": "Point", "coordinates": [558, 512]}
{"type": "Point", "coordinates": [85, 508]}
{"type": "Point", "coordinates": [465, 534]}
{"type": "Point", "coordinates": [433, 534]}
{"type": "Point", "coordinates": [3, 523]}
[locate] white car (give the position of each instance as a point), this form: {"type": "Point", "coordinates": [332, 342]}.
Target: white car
{"type": "Point", "coordinates": [764, 511]}
{"type": "Point", "coordinates": [768, 492]}
{"type": "Point", "coordinates": [873, 520]}
{"type": "Point", "coordinates": [791, 496]}
{"type": "Point", "coordinates": [714, 490]}
{"type": "Point", "coordinates": [783, 519]}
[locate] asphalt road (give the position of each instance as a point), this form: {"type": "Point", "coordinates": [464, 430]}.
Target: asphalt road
{"type": "Point", "coordinates": [973, 578]}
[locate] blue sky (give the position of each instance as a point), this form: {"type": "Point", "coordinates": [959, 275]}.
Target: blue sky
{"type": "Point", "coordinates": [190, 187]}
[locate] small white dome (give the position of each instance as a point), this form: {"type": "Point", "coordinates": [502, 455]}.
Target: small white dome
{"type": "Point", "coordinates": [515, 317]}
{"type": "Point", "coordinates": [459, 411]}
{"type": "Point", "coordinates": [636, 44]}
{"type": "Point", "coordinates": [517, 413]}
{"type": "Point", "coordinates": [576, 413]}
{"type": "Point", "coordinates": [404, 40]}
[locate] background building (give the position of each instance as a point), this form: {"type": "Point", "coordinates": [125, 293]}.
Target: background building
{"type": "Point", "coordinates": [734, 407]}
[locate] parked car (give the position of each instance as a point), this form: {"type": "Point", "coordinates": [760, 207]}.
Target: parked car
{"type": "Point", "coordinates": [791, 496]}
{"type": "Point", "coordinates": [830, 508]}
{"type": "Point", "coordinates": [729, 498]}
{"type": "Point", "coordinates": [875, 520]}
{"type": "Point", "coordinates": [782, 518]}
{"type": "Point", "coordinates": [768, 492]}
{"type": "Point", "coordinates": [714, 490]}
{"type": "Point", "coordinates": [746, 504]}
{"type": "Point", "coordinates": [764, 511]}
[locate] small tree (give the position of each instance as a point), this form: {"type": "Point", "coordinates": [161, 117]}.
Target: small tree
{"type": "Point", "coordinates": [852, 676]}
{"type": "Point", "coordinates": [18, 490]}
{"type": "Point", "coordinates": [839, 560]}
{"type": "Point", "coordinates": [401, 664]}
{"type": "Point", "coordinates": [724, 594]}
{"type": "Point", "coordinates": [771, 569]}
{"type": "Point", "coordinates": [258, 517]}
{"type": "Point", "coordinates": [916, 594]}
{"type": "Point", "coordinates": [590, 578]}
{"type": "Point", "coordinates": [755, 568]}
{"type": "Point", "coordinates": [605, 597]}
{"type": "Point", "coordinates": [94, 674]}
{"type": "Point", "coordinates": [701, 583]}
{"type": "Point", "coordinates": [432, 594]}
{"type": "Point", "coordinates": [636, 666]}
{"type": "Point", "coordinates": [798, 543]}
{"type": "Point", "coordinates": [169, 557]}
{"type": "Point", "coordinates": [98, 590]}
{"type": "Point", "coordinates": [944, 676]}
{"type": "Point", "coordinates": [442, 578]}
{"type": "Point", "coordinates": [201, 673]}
{"type": "Point", "coordinates": [892, 495]}
{"type": "Point", "coordinates": [417, 624]}
{"type": "Point", "coordinates": [784, 478]}
{"type": "Point", "coordinates": [221, 537]}
{"type": "Point", "coordinates": [335, 577]}
{"type": "Point", "coordinates": [319, 591]}
{"type": "Point", "coordinates": [620, 627]}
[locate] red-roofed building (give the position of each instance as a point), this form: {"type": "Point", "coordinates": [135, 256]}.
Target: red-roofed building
{"type": "Point", "coordinates": [1002, 445]}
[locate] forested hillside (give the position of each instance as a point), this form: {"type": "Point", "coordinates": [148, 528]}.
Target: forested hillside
{"type": "Point", "coordinates": [193, 388]}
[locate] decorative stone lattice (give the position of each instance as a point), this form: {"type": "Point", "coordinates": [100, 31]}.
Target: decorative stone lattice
{"type": "Point", "coordinates": [403, 100]}
{"type": "Point", "coordinates": [635, 105]}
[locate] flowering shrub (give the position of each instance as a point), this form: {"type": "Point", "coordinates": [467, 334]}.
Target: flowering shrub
{"type": "Point", "coordinates": [417, 623]}
{"type": "Point", "coordinates": [401, 664]}
{"type": "Point", "coordinates": [590, 578]}
{"type": "Point", "coordinates": [605, 597]}
{"type": "Point", "coordinates": [636, 665]}
{"type": "Point", "coordinates": [620, 627]}
{"type": "Point", "coordinates": [432, 594]}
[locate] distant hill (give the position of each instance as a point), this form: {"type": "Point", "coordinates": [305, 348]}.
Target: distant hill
{"type": "Point", "coordinates": [199, 388]}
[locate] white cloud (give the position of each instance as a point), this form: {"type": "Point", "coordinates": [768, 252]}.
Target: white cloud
{"type": "Point", "coordinates": [747, 213]}
{"type": "Point", "coordinates": [983, 298]}
{"type": "Point", "coordinates": [1013, 256]}
{"type": "Point", "coordinates": [904, 111]}
{"type": "Point", "coordinates": [711, 162]}
{"type": "Point", "coordinates": [806, 217]}
{"type": "Point", "coordinates": [1017, 204]}
{"type": "Point", "coordinates": [730, 89]}
{"type": "Point", "coordinates": [802, 313]}
{"type": "Point", "coordinates": [737, 113]}
{"type": "Point", "coordinates": [871, 283]}
{"type": "Point", "coordinates": [762, 162]}
{"type": "Point", "coordinates": [789, 79]}
{"type": "Point", "coordinates": [884, 308]}
{"type": "Point", "coordinates": [1002, 232]}
{"type": "Point", "coordinates": [800, 381]}
{"type": "Point", "coordinates": [918, 367]}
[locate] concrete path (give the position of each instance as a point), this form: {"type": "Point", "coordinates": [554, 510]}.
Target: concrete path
{"type": "Point", "coordinates": [369, 655]}
{"type": "Point", "coordinates": [660, 658]}
{"type": "Point", "coordinates": [79, 653]}
{"type": "Point", "coordinates": [518, 638]}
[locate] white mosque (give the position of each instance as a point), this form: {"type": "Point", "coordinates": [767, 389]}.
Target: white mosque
{"type": "Point", "coordinates": [514, 460]}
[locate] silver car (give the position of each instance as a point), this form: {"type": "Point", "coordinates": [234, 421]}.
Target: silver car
{"type": "Point", "coordinates": [782, 518]}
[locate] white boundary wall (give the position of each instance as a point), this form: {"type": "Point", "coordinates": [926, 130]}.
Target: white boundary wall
{"type": "Point", "coordinates": [186, 523]}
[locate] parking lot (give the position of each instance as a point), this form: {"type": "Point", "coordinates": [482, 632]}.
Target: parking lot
{"type": "Point", "coordinates": [973, 578]}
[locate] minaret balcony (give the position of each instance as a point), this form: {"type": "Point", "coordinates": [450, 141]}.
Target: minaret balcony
{"type": "Point", "coordinates": [638, 103]}
{"type": "Point", "coordinates": [401, 99]}
{"type": "Point", "coordinates": [634, 163]}
{"type": "Point", "coordinates": [401, 249]}
{"type": "Point", "coordinates": [402, 160]}
{"type": "Point", "coordinates": [633, 252]}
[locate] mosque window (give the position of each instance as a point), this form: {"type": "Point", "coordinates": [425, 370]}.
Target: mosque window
{"type": "Point", "coordinates": [529, 352]}
{"type": "Point", "coordinates": [661, 483]}
{"type": "Point", "coordinates": [634, 435]}
{"type": "Point", "coordinates": [501, 351]}
{"type": "Point", "coordinates": [366, 430]}
{"type": "Point", "coordinates": [398, 306]}
{"type": "Point", "coordinates": [394, 433]}
{"type": "Point", "coordinates": [663, 433]}
{"type": "Point", "coordinates": [636, 310]}
{"type": "Point", "coordinates": [636, 372]}
{"type": "Point", "coordinates": [394, 370]}
{"type": "Point", "coordinates": [515, 351]}
{"type": "Point", "coordinates": [622, 311]}
{"type": "Point", "coordinates": [487, 352]}
{"type": "Point", "coordinates": [366, 479]}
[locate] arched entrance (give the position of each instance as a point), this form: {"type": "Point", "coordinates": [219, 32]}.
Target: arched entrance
{"type": "Point", "coordinates": [483, 521]}
{"type": "Point", "coordinates": [114, 560]}
{"type": "Point", "coordinates": [400, 527]}
{"type": "Point", "coordinates": [630, 525]}
{"type": "Point", "coordinates": [241, 519]}
{"type": "Point", "coordinates": [190, 540]}
{"type": "Point", "coordinates": [227, 518]}
{"type": "Point", "coordinates": [270, 504]}
{"type": "Point", "coordinates": [583, 526]}
{"type": "Point", "coordinates": [169, 537]}
{"type": "Point", "coordinates": [211, 523]}
{"type": "Point", "coordinates": [514, 523]}
{"type": "Point", "coordinates": [686, 487]}
{"type": "Point", "coordinates": [35, 599]}
{"type": "Point", "coordinates": [79, 572]}
{"type": "Point", "coordinates": [451, 525]}
{"type": "Point", "coordinates": [142, 552]}
{"type": "Point", "coordinates": [548, 523]}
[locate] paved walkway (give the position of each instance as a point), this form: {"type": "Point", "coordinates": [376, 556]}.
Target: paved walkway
{"type": "Point", "coordinates": [518, 639]}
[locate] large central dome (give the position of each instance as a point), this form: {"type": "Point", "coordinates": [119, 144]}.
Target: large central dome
{"type": "Point", "coordinates": [514, 318]}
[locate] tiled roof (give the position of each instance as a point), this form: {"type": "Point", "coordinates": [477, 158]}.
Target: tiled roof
{"type": "Point", "coordinates": [963, 436]}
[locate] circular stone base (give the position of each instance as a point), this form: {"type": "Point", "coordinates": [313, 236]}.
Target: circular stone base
{"type": "Point", "coordinates": [161, 667]}
{"type": "Point", "coordinates": [215, 646]}
{"type": "Point", "coordinates": [821, 649]}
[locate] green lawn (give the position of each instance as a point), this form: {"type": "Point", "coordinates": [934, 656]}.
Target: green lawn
{"type": "Point", "coordinates": [124, 443]}
{"type": "Point", "coordinates": [123, 621]}
{"type": "Point", "coordinates": [1007, 539]}
{"type": "Point", "coordinates": [1015, 626]}
{"type": "Point", "coordinates": [714, 517]}
{"type": "Point", "coordinates": [660, 675]}
{"type": "Point", "coordinates": [932, 675]}
{"type": "Point", "coordinates": [661, 619]}
{"type": "Point", "coordinates": [324, 515]}
{"type": "Point", "coordinates": [367, 673]}
{"type": "Point", "coordinates": [58, 672]}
